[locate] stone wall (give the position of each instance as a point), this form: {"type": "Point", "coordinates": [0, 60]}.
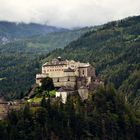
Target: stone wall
{"type": "Point", "coordinates": [54, 70]}
{"type": "Point", "coordinates": [67, 73]}
{"type": "Point", "coordinates": [6, 107]}
{"type": "Point", "coordinates": [64, 95]}
{"type": "Point", "coordinates": [83, 92]}
{"type": "Point", "coordinates": [65, 81]}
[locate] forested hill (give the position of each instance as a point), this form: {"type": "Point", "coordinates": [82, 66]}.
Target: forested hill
{"type": "Point", "coordinates": [104, 116]}
{"type": "Point", "coordinates": [115, 52]}
{"type": "Point", "coordinates": [20, 59]}
{"type": "Point", "coordinates": [13, 30]}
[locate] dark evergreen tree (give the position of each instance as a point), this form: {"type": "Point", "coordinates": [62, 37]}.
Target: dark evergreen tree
{"type": "Point", "coordinates": [47, 84]}
{"type": "Point", "coordinates": [43, 102]}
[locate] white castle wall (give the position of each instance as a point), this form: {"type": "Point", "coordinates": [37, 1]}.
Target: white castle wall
{"type": "Point", "coordinates": [67, 73]}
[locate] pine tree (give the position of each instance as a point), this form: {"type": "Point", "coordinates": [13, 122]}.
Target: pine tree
{"type": "Point", "coordinates": [43, 102]}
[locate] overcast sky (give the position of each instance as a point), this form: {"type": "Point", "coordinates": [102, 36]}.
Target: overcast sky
{"type": "Point", "coordinates": [68, 13]}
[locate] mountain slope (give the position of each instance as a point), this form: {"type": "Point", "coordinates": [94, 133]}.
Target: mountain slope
{"type": "Point", "coordinates": [20, 60]}
{"type": "Point", "coordinates": [103, 116]}
{"type": "Point", "coordinates": [115, 52]}
{"type": "Point", "coordinates": [12, 30]}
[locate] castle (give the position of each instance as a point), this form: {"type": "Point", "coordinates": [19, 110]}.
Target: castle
{"type": "Point", "coordinates": [69, 75]}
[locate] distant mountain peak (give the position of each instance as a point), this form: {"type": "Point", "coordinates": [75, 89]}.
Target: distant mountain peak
{"type": "Point", "coordinates": [24, 30]}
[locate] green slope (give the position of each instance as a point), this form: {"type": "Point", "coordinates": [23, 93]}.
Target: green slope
{"type": "Point", "coordinates": [20, 60]}
{"type": "Point", "coordinates": [115, 52]}
{"type": "Point", "coordinates": [22, 30]}
{"type": "Point", "coordinates": [104, 116]}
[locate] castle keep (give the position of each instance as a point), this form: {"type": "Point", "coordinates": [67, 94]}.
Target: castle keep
{"type": "Point", "coordinates": [69, 75]}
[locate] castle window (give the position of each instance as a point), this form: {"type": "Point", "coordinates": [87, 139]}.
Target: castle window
{"type": "Point", "coordinates": [83, 72]}
{"type": "Point", "coordinates": [58, 80]}
{"type": "Point", "coordinates": [68, 79]}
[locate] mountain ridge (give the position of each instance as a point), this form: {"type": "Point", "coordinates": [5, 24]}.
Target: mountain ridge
{"type": "Point", "coordinates": [114, 50]}
{"type": "Point", "coordinates": [12, 30]}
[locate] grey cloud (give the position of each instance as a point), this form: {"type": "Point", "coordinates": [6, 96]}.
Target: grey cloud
{"type": "Point", "coordinates": [67, 13]}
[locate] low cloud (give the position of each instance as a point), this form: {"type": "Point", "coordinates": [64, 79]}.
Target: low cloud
{"type": "Point", "coordinates": [68, 13]}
